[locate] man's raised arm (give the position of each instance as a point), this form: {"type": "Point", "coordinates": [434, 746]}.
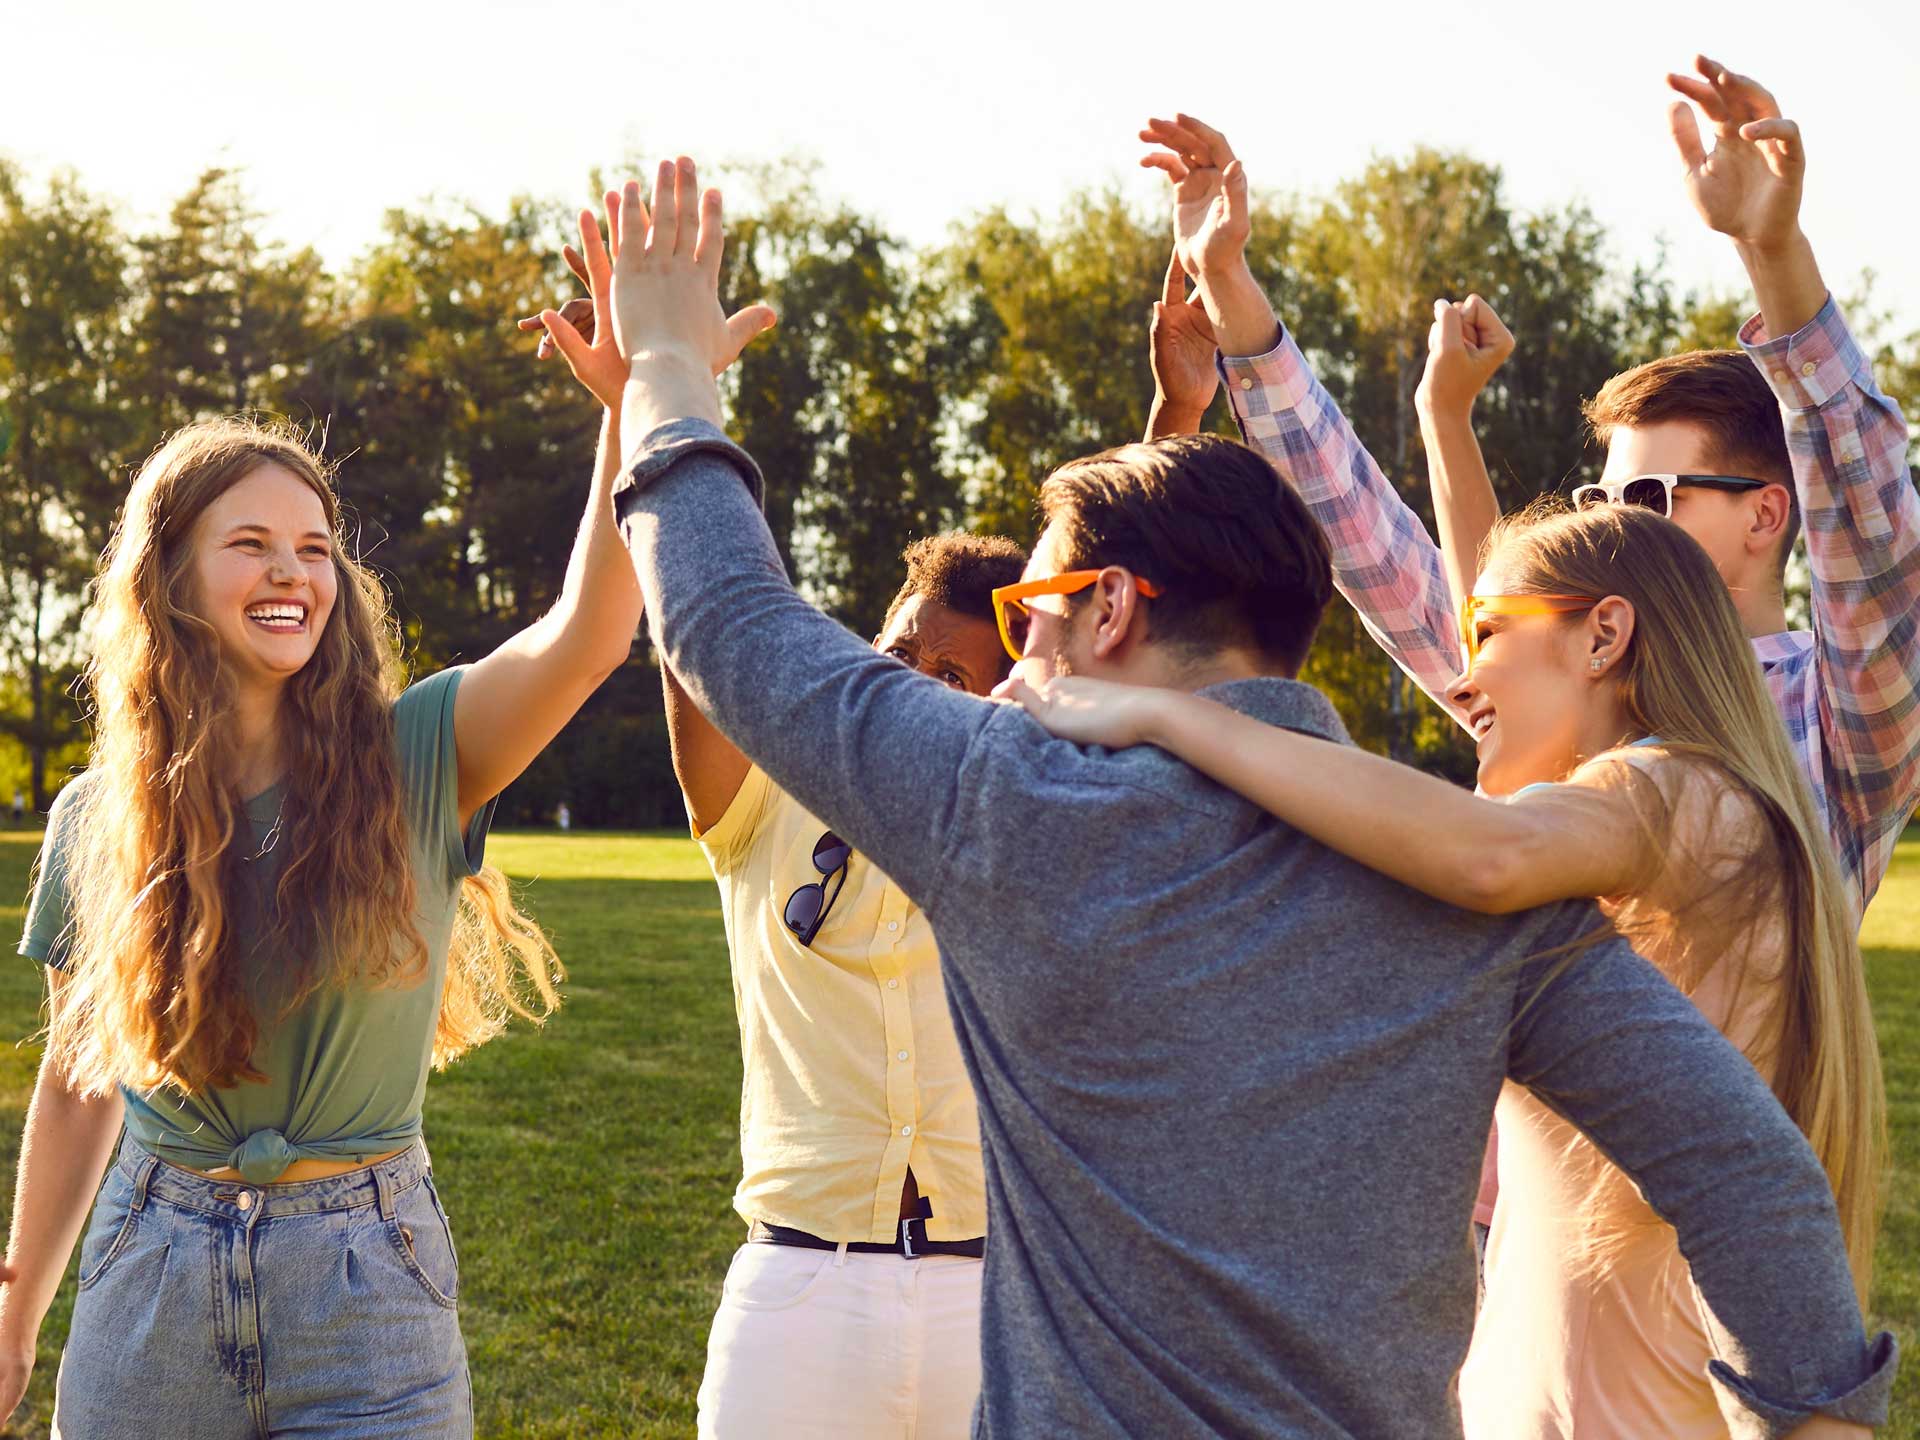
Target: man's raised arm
{"type": "Point", "coordinates": [1848, 444]}
{"type": "Point", "coordinates": [1384, 561]}
{"type": "Point", "coordinates": [857, 738]}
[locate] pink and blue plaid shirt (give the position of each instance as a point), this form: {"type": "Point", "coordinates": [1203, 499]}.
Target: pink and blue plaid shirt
{"type": "Point", "coordinates": [1848, 689]}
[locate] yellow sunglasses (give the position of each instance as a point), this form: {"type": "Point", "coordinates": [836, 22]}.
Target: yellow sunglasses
{"type": "Point", "coordinates": [1474, 606]}
{"type": "Point", "coordinates": [1010, 608]}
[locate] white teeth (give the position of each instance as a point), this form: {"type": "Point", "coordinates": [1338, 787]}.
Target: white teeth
{"type": "Point", "coordinates": [278, 614]}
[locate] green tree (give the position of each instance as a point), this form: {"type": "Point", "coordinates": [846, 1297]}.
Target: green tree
{"type": "Point", "coordinates": [63, 297]}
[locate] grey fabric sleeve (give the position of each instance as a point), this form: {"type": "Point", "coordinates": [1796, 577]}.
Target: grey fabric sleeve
{"type": "Point", "coordinates": [1615, 1048]}
{"type": "Point", "coordinates": [859, 739]}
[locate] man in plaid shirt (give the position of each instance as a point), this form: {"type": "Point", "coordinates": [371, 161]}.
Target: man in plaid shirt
{"type": "Point", "coordinates": [1849, 688]}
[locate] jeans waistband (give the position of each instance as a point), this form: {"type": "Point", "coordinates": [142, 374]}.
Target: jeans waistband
{"type": "Point", "coordinates": [377, 1184]}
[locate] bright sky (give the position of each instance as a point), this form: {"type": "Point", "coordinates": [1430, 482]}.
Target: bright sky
{"type": "Point", "coordinates": [921, 115]}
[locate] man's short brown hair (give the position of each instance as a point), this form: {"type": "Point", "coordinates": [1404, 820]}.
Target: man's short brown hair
{"type": "Point", "coordinates": [1238, 559]}
{"type": "Point", "coordinates": [960, 571]}
{"type": "Point", "coordinates": [1721, 392]}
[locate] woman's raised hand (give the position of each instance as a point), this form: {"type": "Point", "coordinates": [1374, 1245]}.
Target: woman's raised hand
{"type": "Point", "coordinates": [582, 330]}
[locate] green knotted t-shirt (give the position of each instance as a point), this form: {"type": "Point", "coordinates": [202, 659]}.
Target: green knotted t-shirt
{"type": "Point", "coordinates": [347, 1068]}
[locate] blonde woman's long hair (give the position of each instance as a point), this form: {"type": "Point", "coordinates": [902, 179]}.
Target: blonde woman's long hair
{"type": "Point", "coordinates": [1688, 677]}
{"type": "Point", "coordinates": [154, 992]}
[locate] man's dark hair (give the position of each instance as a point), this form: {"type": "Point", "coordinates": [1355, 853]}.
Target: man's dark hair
{"type": "Point", "coordinates": [960, 571]}
{"type": "Point", "coordinates": [1724, 394]}
{"type": "Point", "coordinates": [1237, 557]}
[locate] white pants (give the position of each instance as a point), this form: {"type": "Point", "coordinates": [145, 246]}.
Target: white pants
{"type": "Point", "coordinates": [825, 1343]}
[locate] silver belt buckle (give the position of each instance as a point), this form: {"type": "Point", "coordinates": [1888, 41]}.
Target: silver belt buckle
{"type": "Point", "coordinates": [906, 1239]}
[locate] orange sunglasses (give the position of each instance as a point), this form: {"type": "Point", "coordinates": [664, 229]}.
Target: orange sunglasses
{"type": "Point", "coordinates": [1010, 608]}
{"type": "Point", "coordinates": [1474, 606]}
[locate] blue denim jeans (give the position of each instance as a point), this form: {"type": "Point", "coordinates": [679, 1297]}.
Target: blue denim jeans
{"type": "Point", "coordinates": [218, 1310]}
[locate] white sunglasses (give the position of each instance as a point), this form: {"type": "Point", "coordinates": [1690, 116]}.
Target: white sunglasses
{"type": "Point", "coordinates": [1655, 492]}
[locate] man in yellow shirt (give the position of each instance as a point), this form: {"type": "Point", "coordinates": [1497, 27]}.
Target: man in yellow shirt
{"type": "Point", "coordinates": [853, 1310]}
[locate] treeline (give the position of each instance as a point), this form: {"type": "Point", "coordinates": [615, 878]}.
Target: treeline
{"type": "Point", "coordinates": [905, 390]}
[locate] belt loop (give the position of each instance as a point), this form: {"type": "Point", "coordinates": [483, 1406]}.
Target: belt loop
{"type": "Point", "coordinates": [840, 1255]}
{"type": "Point", "coordinates": [142, 1177]}
{"type": "Point", "coordinates": [383, 1185]}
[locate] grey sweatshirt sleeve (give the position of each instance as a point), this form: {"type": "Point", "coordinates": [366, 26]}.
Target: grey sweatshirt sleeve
{"type": "Point", "coordinates": [1627, 1058]}
{"type": "Point", "coordinates": [867, 744]}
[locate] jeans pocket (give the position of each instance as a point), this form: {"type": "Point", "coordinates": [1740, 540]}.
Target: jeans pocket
{"type": "Point", "coordinates": [423, 1238]}
{"type": "Point", "coordinates": [775, 1277]}
{"type": "Point", "coordinates": [110, 1231]}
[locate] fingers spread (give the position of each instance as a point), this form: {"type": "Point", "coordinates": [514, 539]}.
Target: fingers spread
{"type": "Point", "coordinates": [1702, 94]}
{"type": "Point", "coordinates": [1686, 134]}
{"type": "Point", "coordinates": [712, 238]}
{"type": "Point", "coordinates": [666, 217]}
{"type": "Point", "coordinates": [633, 225]}
{"type": "Point", "coordinates": [595, 267]}
{"type": "Point", "coordinates": [1233, 192]}
{"type": "Point", "coordinates": [1217, 148]}
{"type": "Point", "coordinates": [577, 265]}
{"type": "Point", "coordinates": [743, 325]}
{"type": "Point", "coordinates": [612, 201]}
{"type": "Point", "coordinates": [563, 336]}
{"type": "Point", "coordinates": [686, 208]}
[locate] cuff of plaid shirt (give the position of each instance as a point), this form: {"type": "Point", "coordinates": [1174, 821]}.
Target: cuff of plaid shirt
{"type": "Point", "coordinates": [1264, 384]}
{"type": "Point", "coordinates": [1753, 1416]}
{"type": "Point", "coordinates": [1809, 367]}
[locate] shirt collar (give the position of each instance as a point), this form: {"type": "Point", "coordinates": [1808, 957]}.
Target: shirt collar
{"type": "Point", "coordinates": [1770, 650]}
{"type": "Point", "coordinates": [1288, 704]}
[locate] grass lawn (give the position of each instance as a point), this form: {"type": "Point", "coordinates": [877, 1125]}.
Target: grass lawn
{"type": "Point", "coordinates": [588, 1167]}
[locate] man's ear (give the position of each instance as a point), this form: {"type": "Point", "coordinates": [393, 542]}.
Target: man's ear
{"type": "Point", "coordinates": [1119, 618]}
{"type": "Point", "coordinates": [1770, 511]}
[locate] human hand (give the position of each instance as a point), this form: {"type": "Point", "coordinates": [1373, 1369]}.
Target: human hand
{"type": "Point", "coordinates": [582, 329]}
{"type": "Point", "coordinates": [1466, 344]}
{"type": "Point", "coordinates": [666, 283]}
{"type": "Point", "coordinates": [1749, 186]}
{"type": "Point", "coordinates": [1181, 349]}
{"type": "Point", "coordinates": [1090, 712]}
{"type": "Point", "coordinates": [16, 1368]}
{"type": "Point", "coordinates": [1210, 219]}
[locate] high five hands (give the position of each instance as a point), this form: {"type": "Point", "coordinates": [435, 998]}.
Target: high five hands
{"type": "Point", "coordinates": [585, 330]}
{"type": "Point", "coordinates": [1180, 348]}
{"type": "Point", "coordinates": [1211, 225]}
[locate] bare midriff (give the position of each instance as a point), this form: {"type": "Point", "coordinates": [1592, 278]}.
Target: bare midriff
{"type": "Point", "coordinates": [301, 1170]}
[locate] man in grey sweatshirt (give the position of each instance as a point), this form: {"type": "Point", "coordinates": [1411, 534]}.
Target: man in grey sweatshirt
{"type": "Point", "coordinates": [1195, 1034]}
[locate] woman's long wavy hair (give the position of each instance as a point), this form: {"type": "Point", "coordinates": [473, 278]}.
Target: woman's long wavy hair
{"type": "Point", "coordinates": [1688, 677]}
{"type": "Point", "coordinates": [155, 992]}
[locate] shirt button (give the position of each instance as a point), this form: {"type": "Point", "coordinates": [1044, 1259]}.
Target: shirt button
{"type": "Point", "coordinates": [906, 1129]}
{"type": "Point", "coordinates": [893, 924]}
{"type": "Point", "coordinates": [893, 984]}
{"type": "Point", "coordinates": [1246, 384]}
{"type": "Point", "coordinates": [1808, 367]}
{"type": "Point", "coordinates": [902, 1055]}
{"type": "Point", "coordinates": [244, 1200]}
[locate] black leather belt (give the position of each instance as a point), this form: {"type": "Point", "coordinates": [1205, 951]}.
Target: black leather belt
{"type": "Point", "coordinates": [911, 1241]}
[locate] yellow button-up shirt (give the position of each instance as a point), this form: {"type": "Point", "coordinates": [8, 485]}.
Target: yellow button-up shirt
{"type": "Point", "coordinates": [853, 1073]}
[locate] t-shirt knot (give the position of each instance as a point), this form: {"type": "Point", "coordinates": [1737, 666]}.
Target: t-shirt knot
{"type": "Point", "coordinates": [262, 1156]}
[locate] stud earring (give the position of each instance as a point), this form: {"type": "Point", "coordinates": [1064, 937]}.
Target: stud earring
{"type": "Point", "coordinates": [1597, 662]}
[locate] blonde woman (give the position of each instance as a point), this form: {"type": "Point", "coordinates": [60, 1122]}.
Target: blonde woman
{"type": "Point", "coordinates": [1616, 702]}
{"type": "Point", "coordinates": [264, 916]}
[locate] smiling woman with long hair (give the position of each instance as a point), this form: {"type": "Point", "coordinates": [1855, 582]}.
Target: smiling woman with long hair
{"type": "Point", "coordinates": [1620, 714]}
{"type": "Point", "coordinates": [265, 916]}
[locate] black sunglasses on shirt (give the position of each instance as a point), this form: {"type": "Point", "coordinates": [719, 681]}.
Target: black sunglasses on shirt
{"type": "Point", "coordinates": [807, 907]}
